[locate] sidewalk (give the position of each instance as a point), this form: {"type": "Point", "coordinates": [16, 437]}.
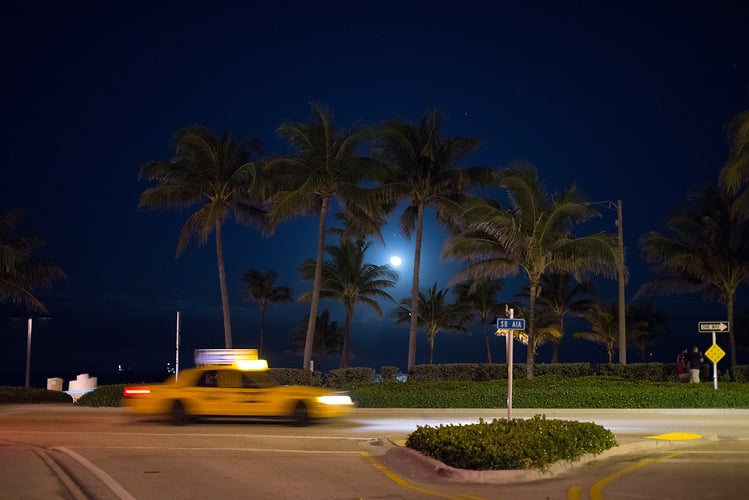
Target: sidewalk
{"type": "Point", "coordinates": [30, 473]}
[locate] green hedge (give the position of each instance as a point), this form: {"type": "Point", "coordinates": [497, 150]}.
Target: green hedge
{"type": "Point", "coordinates": [342, 378]}
{"type": "Point", "coordinates": [551, 391]}
{"type": "Point", "coordinates": [654, 372]}
{"type": "Point", "coordinates": [104, 395]}
{"type": "Point", "coordinates": [511, 444]}
{"type": "Point", "coordinates": [296, 376]}
{"type": "Point", "coordinates": [32, 395]}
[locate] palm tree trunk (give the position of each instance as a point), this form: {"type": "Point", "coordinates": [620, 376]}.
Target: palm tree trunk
{"type": "Point", "coordinates": [531, 357]}
{"type": "Point", "coordinates": [346, 336]}
{"type": "Point", "coordinates": [222, 286]}
{"type": "Point", "coordinates": [316, 286]}
{"type": "Point", "coordinates": [555, 354]}
{"type": "Point", "coordinates": [486, 340]}
{"type": "Point", "coordinates": [431, 349]}
{"type": "Point", "coordinates": [415, 291]}
{"type": "Point", "coordinates": [262, 329]}
{"type": "Point", "coordinates": [731, 337]}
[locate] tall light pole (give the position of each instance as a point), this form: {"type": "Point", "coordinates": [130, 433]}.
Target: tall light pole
{"type": "Point", "coordinates": [29, 330]}
{"type": "Point", "coordinates": [28, 352]}
{"type": "Point", "coordinates": [621, 276]}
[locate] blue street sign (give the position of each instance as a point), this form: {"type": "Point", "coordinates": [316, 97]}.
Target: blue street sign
{"type": "Point", "coordinates": [511, 324]}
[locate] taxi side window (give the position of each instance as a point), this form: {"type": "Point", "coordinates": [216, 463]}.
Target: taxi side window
{"type": "Point", "coordinates": [249, 382]}
{"type": "Point", "coordinates": [230, 378]}
{"type": "Point", "coordinates": [208, 379]}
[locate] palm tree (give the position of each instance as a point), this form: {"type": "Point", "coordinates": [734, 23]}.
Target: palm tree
{"type": "Point", "coordinates": [535, 234]}
{"type": "Point", "coordinates": [734, 176]}
{"type": "Point", "coordinates": [645, 324]}
{"type": "Point", "coordinates": [559, 297]}
{"type": "Point", "coordinates": [545, 326]}
{"type": "Point", "coordinates": [703, 250]}
{"type": "Point", "coordinates": [328, 339]}
{"type": "Point", "coordinates": [20, 274]}
{"type": "Point", "coordinates": [216, 174]}
{"type": "Point", "coordinates": [347, 278]}
{"type": "Point", "coordinates": [604, 321]}
{"type": "Point", "coordinates": [481, 297]}
{"type": "Point", "coordinates": [324, 166]}
{"type": "Point", "coordinates": [425, 174]}
{"type": "Point", "coordinates": [435, 315]}
{"type": "Point", "coordinates": [261, 288]}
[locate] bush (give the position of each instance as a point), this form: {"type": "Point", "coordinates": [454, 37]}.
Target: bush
{"type": "Point", "coordinates": [32, 395]}
{"type": "Point", "coordinates": [740, 373]}
{"type": "Point", "coordinates": [655, 372]}
{"type": "Point", "coordinates": [104, 395]}
{"type": "Point", "coordinates": [296, 376]}
{"type": "Point", "coordinates": [511, 444]}
{"type": "Point", "coordinates": [390, 373]}
{"type": "Point", "coordinates": [343, 378]}
{"type": "Point", "coordinates": [464, 371]}
{"type": "Point", "coordinates": [562, 370]}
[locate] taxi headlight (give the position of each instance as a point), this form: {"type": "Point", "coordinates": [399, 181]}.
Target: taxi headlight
{"type": "Point", "coordinates": [337, 399]}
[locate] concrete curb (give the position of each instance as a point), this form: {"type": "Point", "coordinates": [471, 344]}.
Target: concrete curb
{"type": "Point", "coordinates": [442, 470]}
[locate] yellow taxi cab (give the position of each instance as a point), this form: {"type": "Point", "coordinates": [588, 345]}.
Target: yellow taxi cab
{"type": "Point", "coordinates": [233, 383]}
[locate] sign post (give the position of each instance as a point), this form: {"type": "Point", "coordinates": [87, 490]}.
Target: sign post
{"type": "Point", "coordinates": [714, 353]}
{"type": "Point", "coordinates": [509, 325]}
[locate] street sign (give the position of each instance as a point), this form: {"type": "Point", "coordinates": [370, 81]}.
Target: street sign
{"type": "Point", "coordinates": [511, 324]}
{"type": "Point", "coordinates": [715, 353]}
{"type": "Point", "coordinates": [713, 326]}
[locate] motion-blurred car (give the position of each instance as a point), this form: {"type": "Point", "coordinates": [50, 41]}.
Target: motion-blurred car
{"type": "Point", "coordinates": [231, 391]}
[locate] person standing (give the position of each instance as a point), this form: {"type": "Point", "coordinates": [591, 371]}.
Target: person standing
{"type": "Point", "coordinates": [695, 363]}
{"type": "Point", "coordinates": [682, 366]}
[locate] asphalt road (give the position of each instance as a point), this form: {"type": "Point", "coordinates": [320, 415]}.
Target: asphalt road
{"type": "Point", "coordinates": [107, 454]}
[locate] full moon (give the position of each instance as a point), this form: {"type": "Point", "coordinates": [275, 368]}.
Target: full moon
{"type": "Point", "coordinates": [396, 261]}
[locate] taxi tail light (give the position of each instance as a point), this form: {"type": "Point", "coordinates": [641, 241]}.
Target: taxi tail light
{"type": "Point", "coordinates": [134, 392]}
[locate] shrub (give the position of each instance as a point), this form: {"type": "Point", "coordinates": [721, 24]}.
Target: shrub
{"type": "Point", "coordinates": [464, 371]}
{"type": "Point", "coordinates": [563, 369]}
{"type": "Point", "coordinates": [32, 395]}
{"type": "Point", "coordinates": [655, 372]}
{"type": "Point", "coordinates": [104, 395]}
{"type": "Point", "coordinates": [511, 444]}
{"type": "Point", "coordinates": [342, 378]}
{"type": "Point", "coordinates": [741, 373]}
{"type": "Point", "coordinates": [390, 373]}
{"type": "Point", "coordinates": [295, 376]}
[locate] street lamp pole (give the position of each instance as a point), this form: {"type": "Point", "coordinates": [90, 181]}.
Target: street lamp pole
{"type": "Point", "coordinates": [621, 278]}
{"type": "Point", "coordinates": [28, 353]}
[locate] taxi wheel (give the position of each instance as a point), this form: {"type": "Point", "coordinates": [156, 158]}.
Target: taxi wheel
{"type": "Point", "coordinates": [301, 415]}
{"type": "Point", "coordinates": [178, 414]}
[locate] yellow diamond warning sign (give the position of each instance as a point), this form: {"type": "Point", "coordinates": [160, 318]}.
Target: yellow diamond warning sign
{"type": "Point", "coordinates": [715, 353]}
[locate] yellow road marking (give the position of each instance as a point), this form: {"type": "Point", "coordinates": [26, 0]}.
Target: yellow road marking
{"type": "Point", "coordinates": [573, 493]}
{"type": "Point", "coordinates": [676, 436]}
{"type": "Point", "coordinates": [595, 490]}
{"type": "Point", "coordinates": [405, 484]}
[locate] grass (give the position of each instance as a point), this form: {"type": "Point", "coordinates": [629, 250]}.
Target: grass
{"type": "Point", "coordinates": [552, 392]}
{"type": "Point", "coordinates": [546, 391]}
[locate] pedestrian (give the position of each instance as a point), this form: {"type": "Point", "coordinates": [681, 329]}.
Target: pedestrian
{"type": "Point", "coordinates": [682, 366]}
{"type": "Point", "coordinates": [695, 363]}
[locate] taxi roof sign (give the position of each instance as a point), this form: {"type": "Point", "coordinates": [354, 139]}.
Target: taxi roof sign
{"type": "Point", "coordinates": [224, 356]}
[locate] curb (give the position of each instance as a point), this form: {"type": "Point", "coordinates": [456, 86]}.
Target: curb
{"type": "Point", "coordinates": [516, 476]}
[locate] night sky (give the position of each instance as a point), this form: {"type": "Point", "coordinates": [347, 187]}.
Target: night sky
{"type": "Point", "coordinates": [627, 102]}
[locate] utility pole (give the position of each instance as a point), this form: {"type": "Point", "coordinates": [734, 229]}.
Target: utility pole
{"type": "Point", "coordinates": [621, 278]}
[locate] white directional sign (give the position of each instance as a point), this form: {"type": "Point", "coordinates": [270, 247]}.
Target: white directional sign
{"type": "Point", "coordinates": [511, 324]}
{"type": "Point", "coordinates": [713, 326]}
